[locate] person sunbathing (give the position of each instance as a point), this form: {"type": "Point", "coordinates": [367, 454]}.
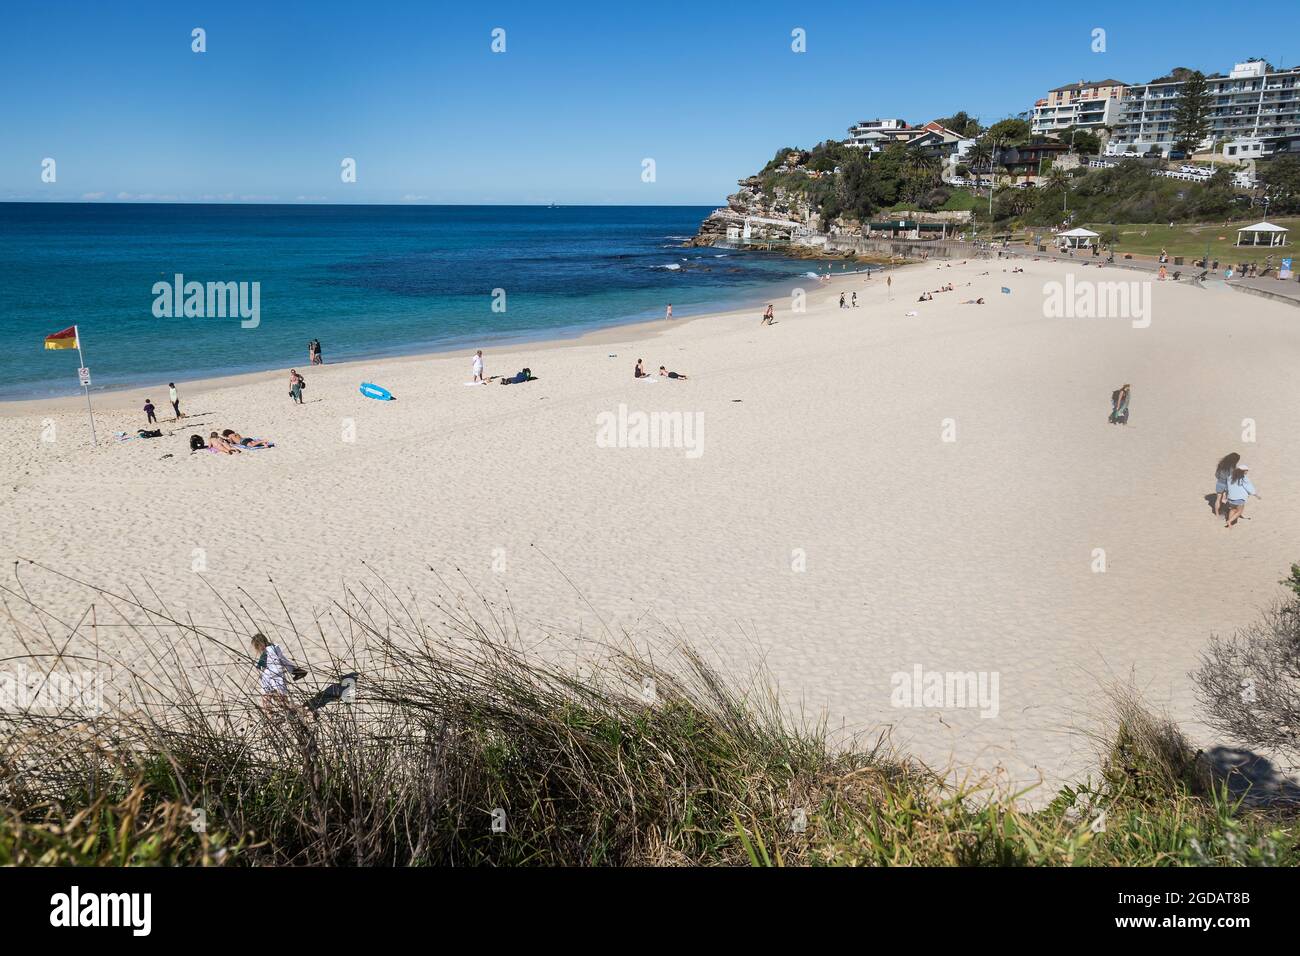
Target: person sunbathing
{"type": "Point", "coordinates": [237, 439]}
{"type": "Point", "coordinates": [524, 375]}
{"type": "Point", "coordinates": [979, 301]}
{"type": "Point", "coordinates": [222, 446]}
{"type": "Point", "coordinates": [664, 371]}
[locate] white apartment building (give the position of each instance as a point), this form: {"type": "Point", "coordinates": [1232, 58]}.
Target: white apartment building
{"type": "Point", "coordinates": [1083, 105]}
{"type": "Point", "coordinates": [875, 134]}
{"type": "Point", "coordinates": [1255, 112]}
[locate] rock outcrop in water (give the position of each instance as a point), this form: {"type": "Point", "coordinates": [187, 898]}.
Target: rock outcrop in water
{"type": "Point", "coordinates": [724, 225]}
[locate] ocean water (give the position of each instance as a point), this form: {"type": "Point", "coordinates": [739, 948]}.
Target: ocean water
{"type": "Point", "coordinates": [364, 280]}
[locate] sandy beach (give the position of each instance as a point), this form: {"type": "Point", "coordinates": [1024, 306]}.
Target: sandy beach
{"type": "Point", "coordinates": [864, 492]}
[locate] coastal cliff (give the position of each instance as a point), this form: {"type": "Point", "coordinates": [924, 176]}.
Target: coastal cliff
{"type": "Point", "coordinates": [784, 211]}
{"type": "Point", "coordinates": [805, 201]}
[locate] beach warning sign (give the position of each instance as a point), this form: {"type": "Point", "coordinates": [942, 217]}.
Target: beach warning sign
{"type": "Point", "coordinates": [83, 376]}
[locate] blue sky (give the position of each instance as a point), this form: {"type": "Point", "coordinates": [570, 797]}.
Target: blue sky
{"type": "Point", "coordinates": [584, 92]}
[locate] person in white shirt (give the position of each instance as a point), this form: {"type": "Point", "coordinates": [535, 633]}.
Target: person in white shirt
{"type": "Point", "coordinates": [276, 670]}
{"type": "Point", "coordinates": [1239, 489]}
{"type": "Point", "coordinates": [478, 368]}
{"type": "Point", "coordinates": [175, 400]}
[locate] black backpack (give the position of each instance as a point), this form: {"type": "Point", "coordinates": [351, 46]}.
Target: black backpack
{"type": "Point", "coordinates": [196, 442]}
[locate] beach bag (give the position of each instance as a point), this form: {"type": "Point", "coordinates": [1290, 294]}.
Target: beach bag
{"type": "Point", "coordinates": [196, 442]}
{"type": "Point", "coordinates": [143, 433]}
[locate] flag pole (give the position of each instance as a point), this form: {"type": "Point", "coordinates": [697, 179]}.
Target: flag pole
{"type": "Point", "coordinates": [76, 331]}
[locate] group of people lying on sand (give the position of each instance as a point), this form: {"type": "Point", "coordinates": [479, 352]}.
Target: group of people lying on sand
{"type": "Point", "coordinates": [950, 287]}
{"type": "Point", "coordinates": [640, 372]}
{"type": "Point", "coordinates": [228, 442]}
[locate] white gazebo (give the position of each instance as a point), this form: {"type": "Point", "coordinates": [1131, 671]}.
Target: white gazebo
{"type": "Point", "coordinates": [1077, 238]}
{"type": "Point", "coordinates": [1271, 234]}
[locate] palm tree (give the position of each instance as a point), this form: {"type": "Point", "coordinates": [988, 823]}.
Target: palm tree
{"type": "Point", "coordinates": [1057, 178]}
{"type": "Point", "coordinates": [979, 156]}
{"type": "Point", "coordinates": [922, 174]}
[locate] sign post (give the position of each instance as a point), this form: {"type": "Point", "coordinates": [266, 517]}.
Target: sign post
{"type": "Point", "coordinates": [83, 375]}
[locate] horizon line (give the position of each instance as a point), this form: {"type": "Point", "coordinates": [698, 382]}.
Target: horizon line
{"type": "Point", "coordinates": [205, 202]}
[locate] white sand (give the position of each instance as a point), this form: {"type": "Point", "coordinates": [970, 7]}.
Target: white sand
{"type": "Point", "coordinates": [973, 555]}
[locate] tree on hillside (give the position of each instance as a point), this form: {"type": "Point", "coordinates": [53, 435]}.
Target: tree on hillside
{"type": "Point", "coordinates": [1282, 177]}
{"type": "Point", "coordinates": [1177, 74]}
{"type": "Point", "coordinates": [1082, 141]}
{"type": "Point", "coordinates": [961, 123]}
{"type": "Point", "coordinates": [1008, 132]}
{"type": "Point", "coordinates": [1192, 113]}
{"type": "Point", "coordinates": [779, 159]}
{"type": "Point", "coordinates": [1059, 179]}
{"type": "Point", "coordinates": [921, 175]}
{"type": "Point", "coordinates": [825, 156]}
{"type": "Point", "coordinates": [979, 156]}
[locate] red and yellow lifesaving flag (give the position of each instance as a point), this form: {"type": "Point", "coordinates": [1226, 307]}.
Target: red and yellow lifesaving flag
{"type": "Point", "coordinates": [67, 339]}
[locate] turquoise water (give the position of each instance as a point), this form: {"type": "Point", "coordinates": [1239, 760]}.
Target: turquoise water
{"type": "Point", "coordinates": [364, 280]}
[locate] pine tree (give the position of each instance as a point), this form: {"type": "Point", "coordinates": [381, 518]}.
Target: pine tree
{"type": "Point", "coordinates": [1192, 114]}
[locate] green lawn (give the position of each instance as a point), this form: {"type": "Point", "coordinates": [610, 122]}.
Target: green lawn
{"type": "Point", "coordinates": [959, 201]}
{"type": "Point", "coordinates": [1189, 240]}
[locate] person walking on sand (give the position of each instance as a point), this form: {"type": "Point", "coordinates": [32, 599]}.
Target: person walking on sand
{"type": "Point", "coordinates": [478, 368]}
{"type": "Point", "coordinates": [1222, 475]}
{"type": "Point", "coordinates": [1119, 405]}
{"type": "Point", "coordinates": [149, 410]}
{"type": "Point", "coordinates": [296, 385]}
{"type": "Point", "coordinates": [175, 400]}
{"type": "Point", "coordinates": [769, 317]}
{"type": "Point", "coordinates": [855, 300]}
{"type": "Point", "coordinates": [1239, 489]}
{"type": "Point", "coordinates": [842, 301]}
{"type": "Point", "coordinates": [276, 669]}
